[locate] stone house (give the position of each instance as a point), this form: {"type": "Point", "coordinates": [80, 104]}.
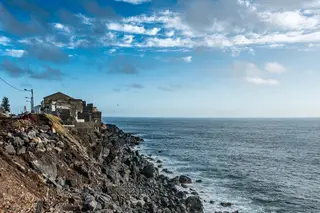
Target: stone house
{"type": "Point", "coordinates": [70, 110]}
{"type": "Point", "coordinates": [90, 113]}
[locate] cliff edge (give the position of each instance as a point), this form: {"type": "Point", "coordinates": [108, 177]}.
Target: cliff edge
{"type": "Point", "coordinates": [45, 167]}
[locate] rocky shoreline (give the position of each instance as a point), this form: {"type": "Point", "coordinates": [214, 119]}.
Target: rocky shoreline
{"type": "Point", "coordinates": [48, 168]}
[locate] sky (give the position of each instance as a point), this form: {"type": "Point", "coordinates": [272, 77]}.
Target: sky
{"type": "Point", "coordinates": [165, 58]}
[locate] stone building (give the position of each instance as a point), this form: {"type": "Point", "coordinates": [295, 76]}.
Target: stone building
{"type": "Point", "coordinates": [90, 113]}
{"type": "Point", "coordinates": [69, 109]}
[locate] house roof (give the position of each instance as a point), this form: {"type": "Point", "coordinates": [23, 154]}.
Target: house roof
{"type": "Point", "coordinates": [58, 93]}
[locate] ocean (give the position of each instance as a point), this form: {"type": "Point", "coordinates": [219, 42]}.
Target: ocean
{"type": "Point", "coordinates": [259, 165]}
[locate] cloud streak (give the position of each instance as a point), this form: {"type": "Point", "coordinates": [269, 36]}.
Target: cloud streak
{"type": "Point", "coordinates": [255, 75]}
{"type": "Point", "coordinates": [15, 71]}
{"type": "Point", "coordinates": [134, 1]}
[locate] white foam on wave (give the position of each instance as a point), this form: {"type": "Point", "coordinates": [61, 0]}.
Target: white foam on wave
{"type": "Point", "coordinates": [208, 190]}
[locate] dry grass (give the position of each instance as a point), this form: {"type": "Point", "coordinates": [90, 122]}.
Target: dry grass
{"type": "Point", "coordinates": [56, 123]}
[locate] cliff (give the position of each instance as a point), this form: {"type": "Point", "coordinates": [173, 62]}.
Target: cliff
{"type": "Point", "coordinates": [45, 167]}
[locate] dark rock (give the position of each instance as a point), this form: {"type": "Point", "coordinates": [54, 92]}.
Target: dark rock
{"type": "Point", "coordinates": [70, 182]}
{"type": "Point", "coordinates": [32, 134]}
{"type": "Point", "coordinates": [159, 161]}
{"type": "Point", "coordinates": [198, 181]}
{"type": "Point", "coordinates": [103, 199]}
{"type": "Point", "coordinates": [167, 171]}
{"type": "Point", "coordinates": [226, 204]}
{"type": "Point", "coordinates": [17, 142]}
{"type": "Point", "coordinates": [60, 144]}
{"type": "Point", "coordinates": [166, 210]}
{"type": "Point", "coordinates": [148, 171]}
{"type": "Point", "coordinates": [159, 151]}
{"type": "Point", "coordinates": [194, 193]}
{"type": "Point", "coordinates": [211, 202]}
{"type": "Point", "coordinates": [139, 204]}
{"type": "Point", "coordinates": [10, 149]}
{"type": "Point", "coordinates": [21, 151]}
{"type": "Point", "coordinates": [194, 204]}
{"type": "Point", "coordinates": [181, 194]}
{"type": "Point", "coordinates": [184, 186]}
{"type": "Point", "coordinates": [81, 169]}
{"type": "Point", "coordinates": [90, 204]}
{"type": "Point", "coordinates": [184, 179]}
{"type": "Point", "coordinates": [23, 136]}
{"type": "Point", "coordinates": [159, 166]}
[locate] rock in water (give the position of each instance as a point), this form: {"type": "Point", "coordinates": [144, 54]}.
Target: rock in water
{"type": "Point", "coordinates": [194, 204]}
{"type": "Point", "coordinates": [167, 171]}
{"type": "Point", "coordinates": [184, 179]}
{"type": "Point", "coordinates": [10, 149]}
{"type": "Point", "coordinates": [148, 171]}
{"type": "Point", "coordinates": [226, 204]}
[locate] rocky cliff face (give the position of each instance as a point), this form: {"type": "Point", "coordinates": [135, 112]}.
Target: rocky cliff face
{"type": "Point", "coordinates": [47, 168]}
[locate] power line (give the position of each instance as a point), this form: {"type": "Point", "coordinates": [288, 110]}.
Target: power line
{"type": "Point", "coordinates": [11, 85]}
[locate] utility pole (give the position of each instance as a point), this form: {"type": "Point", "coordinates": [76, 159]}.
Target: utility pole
{"type": "Point", "coordinates": [31, 99]}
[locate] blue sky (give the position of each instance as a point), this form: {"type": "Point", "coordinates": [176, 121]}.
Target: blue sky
{"type": "Point", "coordinates": [171, 58]}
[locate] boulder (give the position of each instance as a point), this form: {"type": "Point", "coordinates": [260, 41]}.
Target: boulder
{"type": "Point", "coordinates": [181, 194]}
{"type": "Point", "coordinates": [32, 134]}
{"type": "Point", "coordinates": [21, 150]}
{"type": "Point", "coordinates": [10, 149]}
{"type": "Point", "coordinates": [148, 171]}
{"type": "Point", "coordinates": [194, 204]}
{"type": "Point", "coordinates": [90, 203]}
{"type": "Point", "coordinates": [36, 140]}
{"type": "Point", "coordinates": [103, 199]}
{"type": "Point", "coordinates": [23, 136]}
{"type": "Point", "coordinates": [198, 181]}
{"type": "Point", "coordinates": [184, 186]}
{"type": "Point", "coordinates": [17, 142]}
{"type": "Point", "coordinates": [60, 144]}
{"type": "Point", "coordinates": [71, 182]}
{"type": "Point", "coordinates": [166, 210]}
{"type": "Point", "coordinates": [46, 167]}
{"type": "Point", "coordinates": [41, 148]}
{"type": "Point", "coordinates": [184, 179]}
{"type": "Point", "coordinates": [4, 114]}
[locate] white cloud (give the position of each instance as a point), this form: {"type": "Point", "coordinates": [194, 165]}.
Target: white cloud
{"type": "Point", "coordinates": [128, 39]}
{"type": "Point", "coordinates": [14, 53]}
{"type": "Point", "coordinates": [134, 1]}
{"type": "Point", "coordinates": [253, 74]}
{"type": "Point", "coordinates": [187, 59]}
{"type": "Point", "coordinates": [4, 41]}
{"type": "Point", "coordinates": [311, 45]}
{"type": "Point", "coordinates": [170, 33]}
{"type": "Point", "coordinates": [166, 42]}
{"type": "Point", "coordinates": [75, 43]}
{"type": "Point", "coordinates": [261, 81]}
{"type": "Point", "coordinates": [112, 51]}
{"type": "Point", "coordinates": [292, 20]}
{"type": "Point", "coordinates": [275, 67]}
{"type": "Point", "coordinates": [275, 45]}
{"type": "Point", "coordinates": [84, 19]}
{"type": "Point", "coordinates": [61, 27]}
{"type": "Point", "coordinates": [128, 28]}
